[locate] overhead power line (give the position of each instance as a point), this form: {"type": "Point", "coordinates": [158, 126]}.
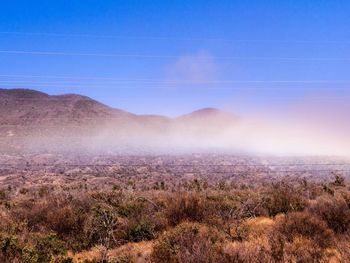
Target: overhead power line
{"type": "Point", "coordinates": [140, 56]}
{"type": "Point", "coordinates": [100, 36]}
{"type": "Point", "coordinates": [174, 86]}
{"type": "Point", "coordinates": [58, 77]}
{"type": "Point", "coordinates": [11, 79]}
{"type": "Point", "coordinates": [170, 81]}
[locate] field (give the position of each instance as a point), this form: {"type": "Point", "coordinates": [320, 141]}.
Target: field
{"type": "Point", "coordinates": [174, 208]}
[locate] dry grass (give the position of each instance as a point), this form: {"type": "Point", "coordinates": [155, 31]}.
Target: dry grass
{"type": "Point", "coordinates": [259, 228]}
{"type": "Point", "coordinates": [83, 256]}
{"type": "Point", "coordinates": [132, 252]}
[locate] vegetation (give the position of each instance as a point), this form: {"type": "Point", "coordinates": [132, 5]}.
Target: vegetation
{"type": "Point", "coordinates": [285, 221]}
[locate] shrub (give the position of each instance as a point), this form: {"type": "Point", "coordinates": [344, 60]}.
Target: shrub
{"type": "Point", "coordinates": [334, 211]}
{"type": "Point", "coordinates": [305, 225]}
{"type": "Point", "coordinates": [32, 212]}
{"type": "Point", "coordinates": [144, 230]}
{"type": "Point", "coordinates": [3, 194]}
{"type": "Point", "coordinates": [102, 226]}
{"type": "Point", "coordinates": [41, 248]}
{"type": "Point", "coordinates": [63, 220]}
{"type": "Point", "coordinates": [9, 248]}
{"type": "Point", "coordinates": [64, 260]}
{"type": "Point", "coordinates": [300, 237]}
{"type": "Point", "coordinates": [246, 252]}
{"type": "Point", "coordinates": [29, 254]}
{"type": "Point", "coordinates": [339, 181]}
{"type": "Point", "coordinates": [188, 243]}
{"type": "Point", "coordinates": [303, 250]}
{"type": "Point", "coordinates": [63, 216]}
{"type": "Point", "coordinates": [282, 198]}
{"type": "Point", "coordinates": [47, 246]}
{"type": "Point", "coordinates": [121, 259]}
{"type": "Point", "coordinates": [186, 207]}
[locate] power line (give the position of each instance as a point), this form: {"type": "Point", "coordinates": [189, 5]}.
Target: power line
{"type": "Point", "coordinates": [142, 99]}
{"type": "Point", "coordinates": [170, 80]}
{"type": "Point", "coordinates": [59, 77]}
{"type": "Point", "coordinates": [164, 87]}
{"type": "Point", "coordinates": [140, 56]}
{"type": "Point", "coordinates": [84, 54]}
{"type": "Point", "coordinates": [153, 81]}
{"type": "Point", "coordinates": [297, 96]}
{"type": "Point", "coordinates": [45, 34]}
{"type": "Point", "coordinates": [78, 81]}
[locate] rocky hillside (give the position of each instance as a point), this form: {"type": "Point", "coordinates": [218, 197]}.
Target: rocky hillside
{"type": "Point", "coordinates": [36, 118]}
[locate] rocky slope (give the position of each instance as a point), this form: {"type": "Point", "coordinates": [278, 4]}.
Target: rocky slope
{"type": "Point", "coordinates": [30, 117]}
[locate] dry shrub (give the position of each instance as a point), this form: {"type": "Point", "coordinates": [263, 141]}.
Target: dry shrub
{"type": "Point", "coordinates": [185, 207]}
{"type": "Point", "coordinates": [62, 215]}
{"type": "Point", "coordinates": [255, 246]}
{"type": "Point", "coordinates": [282, 198]}
{"type": "Point", "coordinates": [305, 250]}
{"type": "Point", "coordinates": [188, 243]}
{"type": "Point", "coordinates": [302, 236]}
{"type": "Point", "coordinates": [92, 255]}
{"type": "Point", "coordinates": [32, 212]}
{"type": "Point", "coordinates": [3, 195]}
{"type": "Point", "coordinates": [64, 220]}
{"type": "Point", "coordinates": [141, 219]}
{"type": "Point", "coordinates": [136, 252]}
{"type": "Point", "coordinates": [258, 227]}
{"type": "Point", "coordinates": [8, 225]}
{"type": "Point", "coordinates": [54, 213]}
{"type": "Point", "coordinates": [302, 249]}
{"type": "Point", "coordinates": [305, 225]}
{"type": "Point", "coordinates": [247, 252]}
{"type": "Point", "coordinates": [343, 247]}
{"type": "Point", "coordinates": [334, 211]}
{"type": "Point", "coordinates": [129, 253]}
{"type": "Point", "coordinates": [346, 195]}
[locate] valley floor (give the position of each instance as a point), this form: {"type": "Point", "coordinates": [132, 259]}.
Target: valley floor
{"type": "Point", "coordinates": [190, 208]}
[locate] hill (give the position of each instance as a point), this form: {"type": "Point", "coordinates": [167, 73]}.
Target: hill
{"type": "Point", "coordinates": [30, 117]}
{"type": "Point", "coordinates": [21, 106]}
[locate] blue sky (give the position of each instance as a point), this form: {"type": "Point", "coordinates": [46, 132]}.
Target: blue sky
{"type": "Point", "coordinates": [171, 57]}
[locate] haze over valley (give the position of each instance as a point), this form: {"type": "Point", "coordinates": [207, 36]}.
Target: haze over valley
{"type": "Point", "coordinates": [35, 121]}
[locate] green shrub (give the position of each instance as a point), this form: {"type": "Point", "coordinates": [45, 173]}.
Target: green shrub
{"type": "Point", "coordinates": [10, 248]}
{"type": "Point", "coordinates": [30, 254]}
{"type": "Point", "coordinates": [48, 246]}
{"type": "Point", "coordinates": [144, 230]}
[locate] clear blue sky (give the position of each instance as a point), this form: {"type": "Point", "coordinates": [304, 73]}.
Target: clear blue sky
{"type": "Point", "coordinates": [171, 57]}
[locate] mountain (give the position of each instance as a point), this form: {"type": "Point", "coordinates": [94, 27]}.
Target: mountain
{"type": "Point", "coordinates": [208, 116]}
{"type": "Point", "coordinates": [34, 118]}
{"type": "Point", "coordinates": [207, 113]}
{"type": "Point", "coordinates": [21, 106]}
